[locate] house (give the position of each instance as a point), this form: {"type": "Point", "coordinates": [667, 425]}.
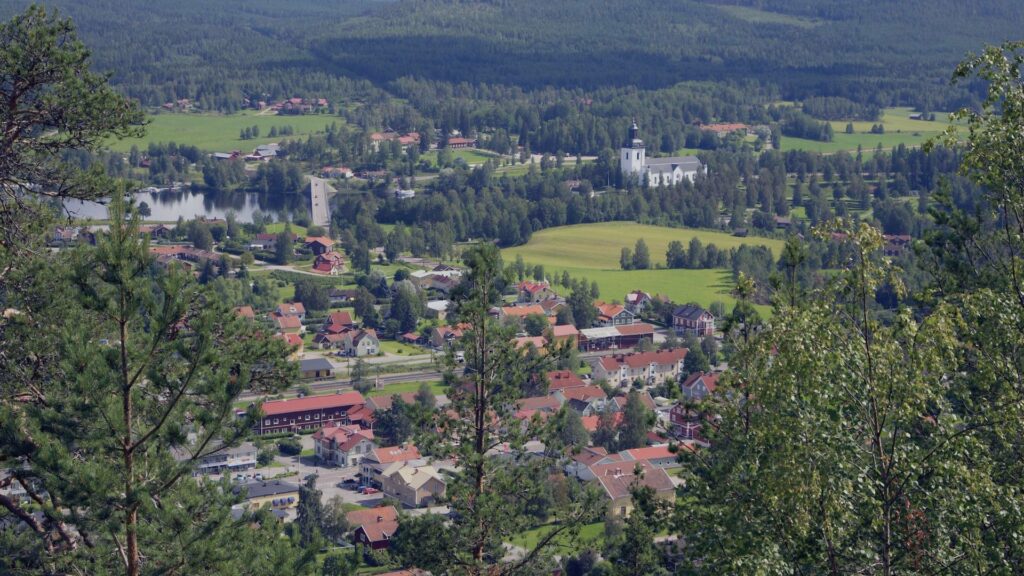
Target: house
{"type": "Point", "coordinates": [328, 340]}
{"type": "Point", "coordinates": [636, 301]}
{"type": "Point", "coordinates": [342, 445]}
{"type": "Point", "coordinates": [373, 527]}
{"type": "Point", "coordinates": [245, 312]}
{"type": "Point", "coordinates": [288, 324]}
{"type": "Point", "coordinates": [548, 404]}
{"type": "Point", "coordinates": [564, 334]}
{"type": "Point", "coordinates": [613, 315]}
{"type": "Point", "coordinates": [651, 368]}
{"type": "Point", "coordinates": [692, 320]}
{"type": "Point", "coordinates": [444, 336]}
{"type": "Point", "coordinates": [341, 296]}
{"type": "Point", "coordinates": [698, 385]}
{"type": "Point", "coordinates": [385, 402]}
{"type": "Point", "coordinates": [414, 486]}
{"type": "Point", "coordinates": [308, 413]}
{"type": "Point", "coordinates": [340, 172]}
{"type": "Point", "coordinates": [276, 494]}
{"type": "Point", "coordinates": [294, 343]}
{"type": "Point", "coordinates": [332, 263]}
{"type": "Point", "coordinates": [895, 244]}
{"type": "Point", "coordinates": [528, 292]}
{"type": "Point", "coordinates": [362, 343]}
{"type": "Point", "coordinates": [404, 194]}
{"type": "Point", "coordinates": [158, 231]}
{"type": "Point", "coordinates": [617, 479]}
{"type": "Point", "coordinates": [338, 321]}
{"type": "Point", "coordinates": [518, 313]}
{"type": "Point", "coordinates": [319, 244]}
{"type": "Point", "coordinates": [456, 143]}
{"type": "Point", "coordinates": [614, 337]}
{"type": "Point", "coordinates": [437, 309]}
{"type": "Point", "coordinates": [525, 342]}
{"type": "Point", "coordinates": [655, 172]}
{"type": "Point", "coordinates": [386, 459]}
{"type": "Point", "coordinates": [316, 368]}
{"type": "Point", "coordinates": [291, 309]}
{"type": "Point", "coordinates": [562, 380]}
{"type": "Point", "coordinates": [442, 281]}
{"type": "Point", "coordinates": [685, 424]}
{"type": "Point", "coordinates": [581, 398]}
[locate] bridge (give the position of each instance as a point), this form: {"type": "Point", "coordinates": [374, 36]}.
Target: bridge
{"type": "Point", "coordinates": [319, 209]}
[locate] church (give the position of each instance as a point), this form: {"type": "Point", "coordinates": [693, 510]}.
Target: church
{"type": "Point", "coordinates": [657, 171]}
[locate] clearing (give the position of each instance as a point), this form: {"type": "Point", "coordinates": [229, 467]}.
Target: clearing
{"type": "Point", "coordinates": [220, 132]}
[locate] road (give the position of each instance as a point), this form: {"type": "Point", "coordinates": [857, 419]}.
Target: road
{"type": "Point", "coordinates": [320, 210]}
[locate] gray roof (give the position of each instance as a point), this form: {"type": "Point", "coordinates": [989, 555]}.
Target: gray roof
{"type": "Point", "coordinates": [315, 364]}
{"type": "Point", "coordinates": [267, 488]}
{"type": "Point", "coordinates": [690, 312]}
{"type": "Point", "coordinates": [686, 163]}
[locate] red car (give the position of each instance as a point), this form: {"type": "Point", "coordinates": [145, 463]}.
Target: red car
{"type": "Point", "coordinates": [369, 490]}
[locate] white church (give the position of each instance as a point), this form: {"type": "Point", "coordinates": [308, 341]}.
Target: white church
{"type": "Point", "coordinates": [657, 171]}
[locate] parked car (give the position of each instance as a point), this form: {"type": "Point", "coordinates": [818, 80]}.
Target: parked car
{"type": "Point", "coordinates": [369, 490]}
{"type": "Point", "coordinates": [348, 483]}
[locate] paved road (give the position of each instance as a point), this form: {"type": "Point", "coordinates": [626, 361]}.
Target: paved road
{"type": "Point", "coordinates": [318, 192]}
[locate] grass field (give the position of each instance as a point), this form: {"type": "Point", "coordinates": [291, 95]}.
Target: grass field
{"type": "Point", "coordinates": [219, 132]}
{"type": "Point", "coordinates": [592, 534]}
{"type": "Point", "coordinates": [278, 227]}
{"type": "Point", "coordinates": [393, 347]}
{"type": "Point", "coordinates": [899, 129]}
{"type": "Point", "coordinates": [403, 387]}
{"type": "Point", "coordinates": [592, 251]}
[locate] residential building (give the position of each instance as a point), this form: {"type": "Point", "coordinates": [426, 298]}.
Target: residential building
{"type": "Point", "coordinates": [565, 333]}
{"type": "Point", "coordinates": [616, 481]}
{"type": "Point", "coordinates": [294, 343]}
{"type": "Point", "coordinates": [342, 445]}
{"type": "Point", "coordinates": [456, 143]}
{"type": "Point", "coordinates": [529, 292]}
{"type": "Point", "coordinates": [291, 309]}
{"type": "Point", "coordinates": [309, 413]}
{"type": "Point", "coordinates": [443, 336]}
{"type": "Point", "coordinates": [362, 342]}
{"type": "Point", "coordinates": [651, 368]}
{"type": "Point", "coordinates": [245, 312]}
{"type": "Point", "coordinates": [698, 385]}
{"type": "Point", "coordinates": [373, 527]}
{"type": "Point", "coordinates": [437, 309]}
{"type": "Point", "coordinates": [341, 172]}
{"type": "Point", "coordinates": [319, 244]}
{"type": "Point", "coordinates": [288, 324]}
{"type": "Point", "coordinates": [332, 263]}
{"type": "Point", "coordinates": [685, 424]}
{"type": "Point", "coordinates": [613, 315]}
{"type": "Point", "coordinates": [636, 301]}
{"type": "Point", "coordinates": [385, 459]}
{"type": "Point", "coordinates": [414, 486]}
{"type": "Point", "coordinates": [276, 494]}
{"type": "Point", "coordinates": [692, 320]}
{"type": "Point", "coordinates": [562, 380]}
{"type": "Point", "coordinates": [315, 368]}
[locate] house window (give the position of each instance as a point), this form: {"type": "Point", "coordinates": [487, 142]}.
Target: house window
{"type": "Point", "coordinates": [275, 420]}
{"type": "Point", "coordinates": [266, 422]}
{"type": "Point", "coordinates": [307, 417]}
{"type": "Point", "coordinates": [316, 416]}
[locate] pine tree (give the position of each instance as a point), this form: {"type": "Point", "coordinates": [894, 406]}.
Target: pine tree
{"type": "Point", "coordinates": [310, 513]}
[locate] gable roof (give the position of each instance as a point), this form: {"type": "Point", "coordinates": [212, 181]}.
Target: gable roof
{"type": "Point", "coordinates": [386, 401]}
{"type": "Point", "coordinates": [522, 311]}
{"type": "Point", "coordinates": [415, 476]}
{"type": "Point", "coordinates": [591, 423]}
{"type": "Point", "coordinates": [321, 240]}
{"type": "Point", "coordinates": [291, 308]}
{"type": "Point", "coordinates": [610, 310]}
{"type": "Point", "coordinates": [617, 478]}
{"type": "Point", "coordinates": [690, 312]}
{"type": "Point", "coordinates": [245, 312]}
{"type": "Point", "coordinates": [293, 340]}
{"type": "Point", "coordinates": [378, 531]}
{"type": "Point", "coordinates": [562, 379]}
{"type": "Point", "coordinates": [342, 318]}
{"type": "Point", "coordinates": [315, 364]}
{"type": "Point", "coordinates": [372, 515]}
{"type": "Point", "coordinates": [548, 403]}
{"type": "Point", "coordinates": [286, 322]}
{"type": "Point", "coordinates": [709, 380]}
{"type": "Point", "coordinates": [637, 329]}
{"type": "Point", "coordinates": [564, 331]}
{"type": "Point", "coordinates": [661, 357]}
{"type": "Point", "coordinates": [584, 393]}
{"type": "Point", "coordinates": [325, 402]}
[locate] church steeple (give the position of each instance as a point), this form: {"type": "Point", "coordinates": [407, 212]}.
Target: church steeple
{"type": "Point", "coordinates": [634, 134]}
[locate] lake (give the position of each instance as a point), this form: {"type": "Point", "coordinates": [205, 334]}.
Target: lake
{"type": "Point", "coordinates": [167, 205]}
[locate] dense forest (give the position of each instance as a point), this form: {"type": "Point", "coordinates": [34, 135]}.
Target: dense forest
{"type": "Point", "coordinates": [875, 53]}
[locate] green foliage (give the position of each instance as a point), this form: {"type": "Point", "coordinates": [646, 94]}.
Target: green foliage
{"type": "Point", "coordinates": [309, 514]}
{"type": "Point", "coordinates": [313, 295]}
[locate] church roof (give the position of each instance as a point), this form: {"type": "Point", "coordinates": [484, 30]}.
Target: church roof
{"type": "Point", "coordinates": [667, 164]}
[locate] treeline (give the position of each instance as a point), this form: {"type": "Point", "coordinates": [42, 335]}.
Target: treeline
{"type": "Point", "coordinates": [839, 108]}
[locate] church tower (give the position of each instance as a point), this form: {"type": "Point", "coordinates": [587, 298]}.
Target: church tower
{"type": "Point", "coordinates": [633, 156]}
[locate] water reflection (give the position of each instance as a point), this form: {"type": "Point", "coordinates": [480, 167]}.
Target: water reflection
{"type": "Point", "coordinates": [167, 205]}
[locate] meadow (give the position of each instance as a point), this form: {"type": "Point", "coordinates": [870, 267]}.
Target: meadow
{"type": "Point", "coordinates": [592, 251]}
{"type": "Point", "coordinates": [899, 129]}
{"type": "Point", "coordinates": [220, 132]}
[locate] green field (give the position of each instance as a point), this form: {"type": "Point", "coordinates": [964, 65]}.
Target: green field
{"type": "Point", "coordinates": [401, 349]}
{"type": "Point", "coordinates": [402, 387]}
{"type": "Point", "coordinates": [592, 534]}
{"type": "Point", "coordinates": [219, 132]}
{"type": "Point", "coordinates": [592, 251]}
{"type": "Point", "coordinates": [899, 129]}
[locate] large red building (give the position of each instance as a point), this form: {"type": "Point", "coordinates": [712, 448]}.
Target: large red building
{"type": "Point", "coordinates": [312, 413]}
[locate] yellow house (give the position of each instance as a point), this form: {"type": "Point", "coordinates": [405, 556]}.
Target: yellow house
{"type": "Point", "coordinates": [275, 494]}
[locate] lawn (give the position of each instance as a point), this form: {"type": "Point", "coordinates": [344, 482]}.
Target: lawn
{"type": "Point", "coordinates": [220, 132]}
{"type": "Point", "coordinates": [401, 349]}
{"type": "Point", "coordinates": [592, 534]}
{"type": "Point", "coordinates": [278, 227]}
{"type": "Point", "coordinates": [592, 251]}
{"type": "Point", "coordinates": [470, 155]}
{"type": "Point", "coordinates": [899, 129]}
{"type": "Point", "coordinates": [403, 387]}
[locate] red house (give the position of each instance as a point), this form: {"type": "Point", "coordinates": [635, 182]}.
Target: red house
{"type": "Point", "coordinates": [374, 527]}
{"type": "Point", "coordinates": [692, 320]}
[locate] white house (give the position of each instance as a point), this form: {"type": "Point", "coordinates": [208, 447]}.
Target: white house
{"type": "Point", "coordinates": [667, 171]}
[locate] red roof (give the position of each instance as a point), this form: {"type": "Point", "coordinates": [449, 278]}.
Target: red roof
{"type": "Point", "coordinates": [245, 312]}
{"type": "Point", "coordinates": [372, 515]}
{"type": "Point", "coordinates": [390, 454]}
{"type": "Point", "coordinates": [522, 311]}
{"type": "Point", "coordinates": [609, 310]}
{"type": "Point", "coordinates": [617, 478]}
{"type": "Point", "coordinates": [637, 329]}
{"type": "Point", "coordinates": [328, 401]}
{"type": "Point", "coordinates": [650, 453]}
{"type": "Point", "coordinates": [537, 341]}
{"type": "Point", "coordinates": [710, 381]}
{"type": "Point", "coordinates": [290, 309]}
{"type": "Point", "coordinates": [285, 322]}
{"type": "Point", "coordinates": [458, 141]}
{"type": "Point", "coordinates": [342, 318]}
{"type": "Point", "coordinates": [539, 403]}
{"type": "Point", "coordinates": [533, 287]}
{"type": "Point", "coordinates": [564, 331]}
{"type": "Point", "coordinates": [591, 422]}
{"type": "Point", "coordinates": [322, 240]}
{"type": "Point", "coordinates": [663, 357]}
{"type": "Point", "coordinates": [562, 379]}
{"type": "Point", "coordinates": [584, 393]}
{"type": "Point", "coordinates": [291, 339]}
